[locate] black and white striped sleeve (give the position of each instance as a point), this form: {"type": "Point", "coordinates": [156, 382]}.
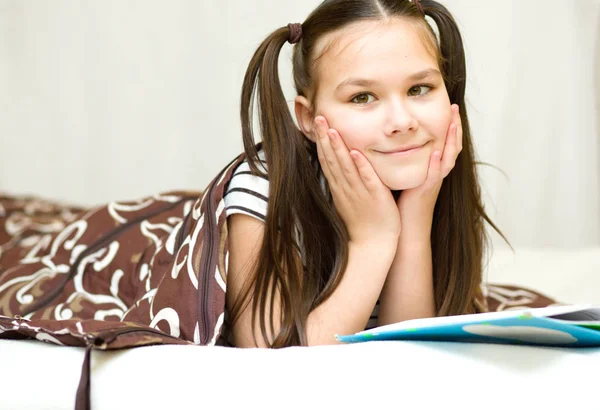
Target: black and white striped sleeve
{"type": "Point", "coordinates": [247, 194]}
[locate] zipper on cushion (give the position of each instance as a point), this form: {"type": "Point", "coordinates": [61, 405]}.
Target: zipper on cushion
{"type": "Point", "coordinates": [99, 243]}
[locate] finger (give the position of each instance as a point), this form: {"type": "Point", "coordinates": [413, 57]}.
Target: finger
{"type": "Point", "coordinates": [452, 146]}
{"type": "Point", "coordinates": [349, 173]}
{"type": "Point", "coordinates": [323, 162]}
{"type": "Point", "coordinates": [328, 152]}
{"type": "Point", "coordinates": [459, 132]}
{"type": "Point", "coordinates": [368, 175]}
{"type": "Point", "coordinates": [450, 151]}
{"type": "Point", "coordinates": [322, 139]}
{"type": "Point", "coordinates": [435, 165]}
{"type": "Point", "coordinates": [457, 121]}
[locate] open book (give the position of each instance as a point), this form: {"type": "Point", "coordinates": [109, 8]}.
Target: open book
{"type": "Point", "coordinates": [566, 326]}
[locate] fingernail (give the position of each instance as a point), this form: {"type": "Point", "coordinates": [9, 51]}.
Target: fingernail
{"type": "Point", "coordinates": [331, 135]}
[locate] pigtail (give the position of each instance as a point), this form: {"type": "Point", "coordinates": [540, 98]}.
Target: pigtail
{"type": "Point", "coordinates": [262, 82]}
{"type": "Point", "coordinates": [452, 58]}
{"type": "Point", "coordinates": [458, 234]}
{"type": "Point", "coordinates": [278, 264]}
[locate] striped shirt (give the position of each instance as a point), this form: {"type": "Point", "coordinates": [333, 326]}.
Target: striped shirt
{"type": "Point", "coordinates": [248, 194]}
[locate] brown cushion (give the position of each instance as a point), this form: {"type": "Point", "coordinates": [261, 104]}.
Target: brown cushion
{"type": "Point", "coordinates": [510, 297]}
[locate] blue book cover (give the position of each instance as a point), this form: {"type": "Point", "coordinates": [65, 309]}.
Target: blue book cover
{"type": "Point", "coordinates": [563, 326]}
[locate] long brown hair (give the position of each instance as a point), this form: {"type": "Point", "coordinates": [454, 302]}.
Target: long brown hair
{"type": "Point", "coordinates": [301, 216]}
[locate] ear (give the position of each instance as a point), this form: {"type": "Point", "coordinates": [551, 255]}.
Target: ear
{"type": "Point", "coordinates": [304, 116]}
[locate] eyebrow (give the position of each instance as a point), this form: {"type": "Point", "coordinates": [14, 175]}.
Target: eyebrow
{"type": "Point", "coordinates": [363, 82]}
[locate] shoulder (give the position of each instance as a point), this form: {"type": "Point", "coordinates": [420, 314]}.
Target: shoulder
{"type": "Point", "coordinates": [247, 193]}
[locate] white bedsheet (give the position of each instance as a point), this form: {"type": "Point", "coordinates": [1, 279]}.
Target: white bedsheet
{"type": "Point", "coordinates": [418, 375]}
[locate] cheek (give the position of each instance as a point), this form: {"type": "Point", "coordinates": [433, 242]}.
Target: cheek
{"type": "Point", "coordinates": [438, 125]}
{"type": "Point", "coordinates": [354, 129]}
{"type": "Point", "coordinates": [441, 132]}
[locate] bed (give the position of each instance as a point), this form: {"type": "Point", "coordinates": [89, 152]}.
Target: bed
{"type": "Point", "coordinates": [398, 374]}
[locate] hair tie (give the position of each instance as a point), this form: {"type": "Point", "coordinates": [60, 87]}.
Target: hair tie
{"type": "Point", "coordinates": [419, 6]}
{"type": "Point", "coordinates": [295, 32]}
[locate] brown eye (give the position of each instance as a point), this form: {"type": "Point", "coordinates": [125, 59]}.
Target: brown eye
{"type": "Point", "coordinates": [361, 98]}
{"type": "Point", "coordinates": [414, 91]}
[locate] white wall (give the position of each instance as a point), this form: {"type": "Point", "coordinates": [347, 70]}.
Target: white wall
{"type": "Point", "coordinates": [114, 99]}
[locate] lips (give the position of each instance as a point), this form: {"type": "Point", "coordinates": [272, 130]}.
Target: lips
{"type": "Point", "coordinates": [404, 149]}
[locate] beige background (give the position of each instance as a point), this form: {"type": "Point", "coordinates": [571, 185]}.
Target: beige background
{"type": "Point", "coordinates": [115, 99]}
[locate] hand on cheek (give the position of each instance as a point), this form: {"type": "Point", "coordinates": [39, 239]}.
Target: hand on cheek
{"type": "Point", "coordinates": [365, 204]}
{"type": "Point", "coordinates": [417, 204]}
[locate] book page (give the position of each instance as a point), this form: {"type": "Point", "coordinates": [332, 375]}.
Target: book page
{"type": "Point", "coordinates": [586, 315]}
{"type": "Point", "coordinates": [478, 317]}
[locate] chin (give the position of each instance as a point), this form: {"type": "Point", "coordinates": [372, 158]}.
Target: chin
{"type": "Point", "coordinates": [401, 186]}
{"type": "Point", "coordinates": [406, 180]}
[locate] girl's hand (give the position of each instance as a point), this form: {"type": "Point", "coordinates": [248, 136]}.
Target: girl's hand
{"type": "Point", "coordinates": [365, 204]}
{"type": "Point", "coordinates": [416, 205]}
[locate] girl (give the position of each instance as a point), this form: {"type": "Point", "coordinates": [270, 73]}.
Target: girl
{"type": "Point", "coordinates": [370, 213]}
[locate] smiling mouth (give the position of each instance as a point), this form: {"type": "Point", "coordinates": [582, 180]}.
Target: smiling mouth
{"type": "Point", "coordinates": [402, 152]}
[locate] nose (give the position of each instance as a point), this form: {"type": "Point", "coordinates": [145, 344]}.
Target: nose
{"type": "Point", "coordinates": [399, 119]}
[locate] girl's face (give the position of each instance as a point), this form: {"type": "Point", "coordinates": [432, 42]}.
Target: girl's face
{"type": "Point", "coordinates": [382, 90]}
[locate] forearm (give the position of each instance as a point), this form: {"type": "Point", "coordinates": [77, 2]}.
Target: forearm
{"type": "Point", "coordinates": [349, 307]}
{"type": "Point", "coordinates": [408, 289]}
